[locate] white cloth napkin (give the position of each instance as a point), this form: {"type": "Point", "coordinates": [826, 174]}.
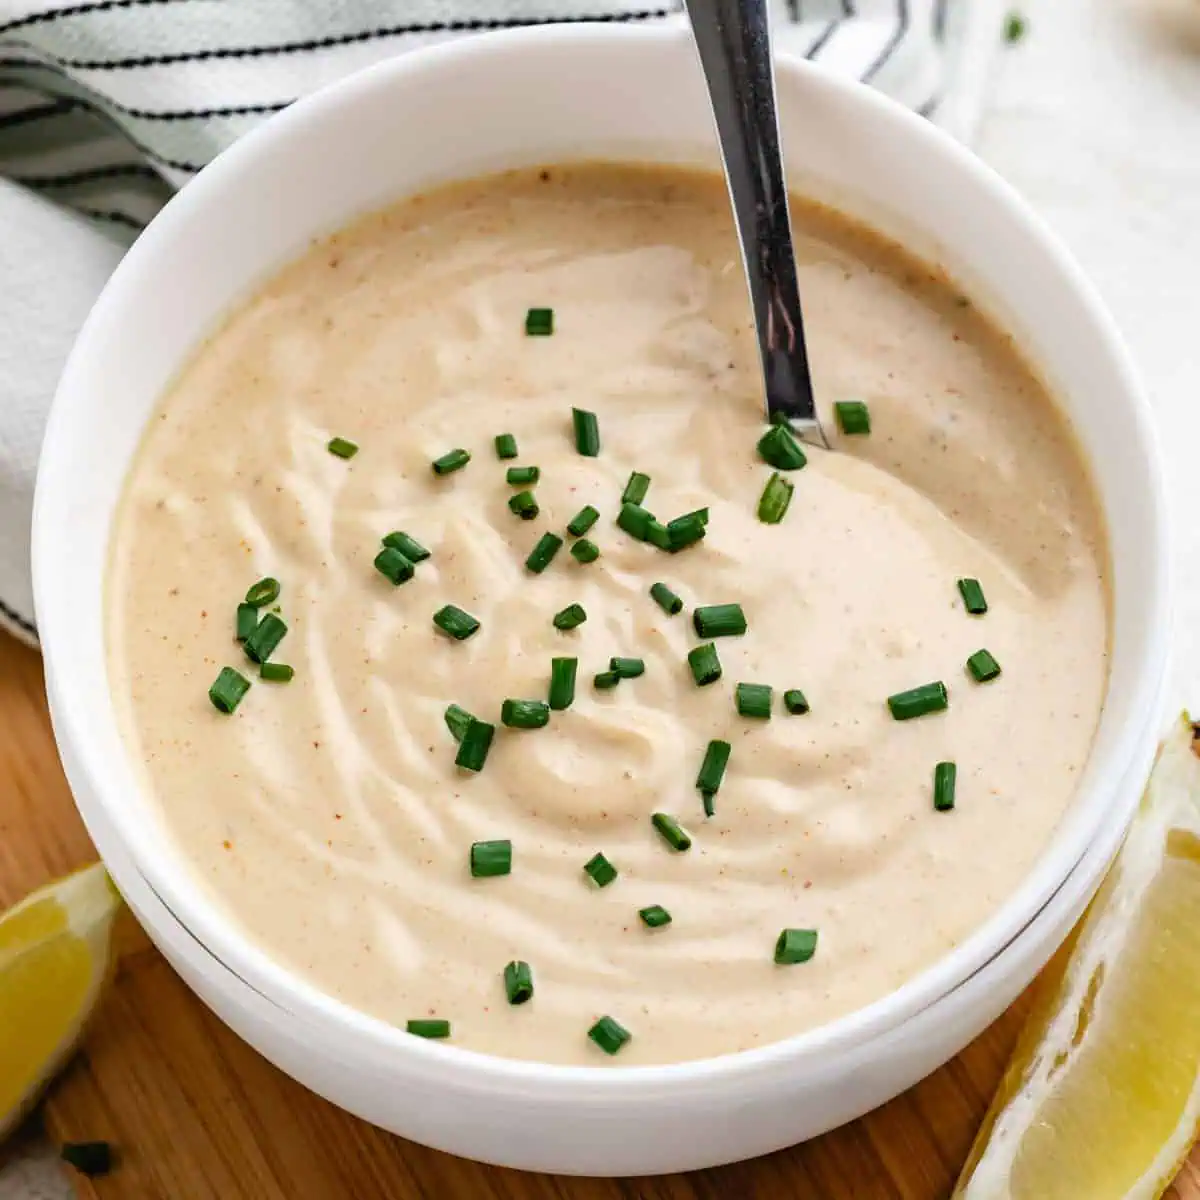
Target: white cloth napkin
{"type": "Point", "coordinates": [107, 106]}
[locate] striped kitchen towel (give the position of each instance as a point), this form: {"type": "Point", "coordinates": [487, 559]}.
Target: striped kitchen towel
{"type": "Point", "coordinates": [108, 106]}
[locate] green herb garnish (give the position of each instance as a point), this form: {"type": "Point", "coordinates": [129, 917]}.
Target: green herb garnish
{"type": "Point", "coordinates": [654, 916]}
{"type": "Point", "coordinates": [671, 832]}
{"type": "Point", "coordinates": [407, 545]}
{"type": "Point", "coordinates": [983, 666]}
{"type": "Point", "coordinates": [705, 665]}
{"type": "Point", "coordinates": [539, 322]}
{"type": "Point", "coordinates": [600, 870]}
{"type": "Point", "coordinates": [945, 777]}
{"type": "Point", "coordinates": [916, 702]}
{"type": "Point", "coordinates": [795, 946]}
{"type": "Point", "coordinates": [853, 417]}
{"type": "Point", "coordinates": [773, 504]}
{"type": "Point", "coordinates": [548, 545]}
{"type": "Point", "coordinates": [489, 859]}
{"type": "Point", "coordinates": [570, 617]}
{"type": "Point", "coordinates": [518, 982]}
{"type": "Point", "coordinates": [341, 447]}
{"type": "Point", "coordinates": [753, 700]}
{"type": "Point", "coordinates": [666, 599]}
{"type": "Point", "coordinates": [475, 744]}
{"type": "Point", "coordinates": [452, 620]}
{"type": "Point", "coordinates": [563, 672]}
{"type": "Point", "coordinates": [973, 598]}
{"type": "Point", "coordinates": [525, 714]}
{"type": "Point", "coordinates": [394, 566]}
{"type": "Point", "coordinates": [609, 1035]}
{"type": "Point", "coordinates": [587, 432]}
{"type": "Point", "coordinates": [228, 689]}
{"type": "Point", "coordinates": [779, 447]}
{"type": "Point", "coordinates": [582, 521]}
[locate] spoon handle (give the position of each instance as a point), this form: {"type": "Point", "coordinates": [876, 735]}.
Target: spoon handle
{"type": "Point", "coordinates": [734, 40]}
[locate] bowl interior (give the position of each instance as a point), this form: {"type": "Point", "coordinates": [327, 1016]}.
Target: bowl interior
{"type": "Point", "coordinates": [533, 96]}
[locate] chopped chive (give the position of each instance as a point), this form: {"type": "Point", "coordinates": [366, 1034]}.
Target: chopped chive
{"type": "Point", "coordinates": [585, 551]}
{"type": "Point", "coordinates": [547, 547]}
{"type": "Point", "coordinates": [228, 689]}
{"type": "Point", "coordinates": [457, 719]}
{"type": "Point", "coordinates": [587, 432]}
{"type": "Point", "coordinates": [524, 505]}
{"type": "Point", "coordinates": [539, 322]}
{"type": "Point", "coordinates": [489, 859]}
{"type": "Point", "coordinates": [523, 475]}
{"type": "Point", "coordinates": [262, 593]}
{"type": "Point", "coordinates": [600, 870]}
{"type": "Point", "coordinates": [634, 520]}
{"type": "Point", "coordinates": [773, 504]}
{"type": "Point", "coordinates": [267, 635]}
{"type": "Point", "coordinates": [795, 946]}
{"type": "Point", "coordinates": [341, 447]}
{"type": "Point", "coordinates": [475, 744]}
{"type": "Point", "coordinates": [393, 565]}
{"type": "Point", "coordinates": [666, 599]}
{"type": "Point", "coordinates": [657, 534]}
{"type": "Point", "coordinates": [712, 771]}
{"type": "Point", "coordinates": [636, 489]}
{"type": "Point", "coordinates": [780, 448]}
{"type": "Point", "coordinates": [654, 916]}
{"type": "Point", "coordinates": [973, 598]}
{"type": "Point", "coordinates": [916, 702]}
{"type": "Point", "coordinates": [452, 620]}
{"type": "Point", "coordinates": [605, 681]}
{"type": "Point", "coordinates": [90, 1159]}
{"type": "Point", "coordinates": [451, 461]}
{"type": "Point", "coordinates": [719, 620]}
{"type": "Point", "coordinates": [506, 445]}
{"type": "Point", "coordinates": [983, 666]}
{"type": "Point", "coordinates": [428, 1028]}
{"type": "Point", "coordinates": [582, 521]}
{"type": "Point", "coordinates": [563, 672]}
{"type": "Point", "coordinates": [570, 617]}
{"type": "Point", "coordinates": [671, 831]}
{"type": "Point", "coordinates": [246, 621]}
{"type": "Point", "coordinates": [795, 702]}
{"type": "Point", "coordinates": [945, 776]}
{"type": "Point", "coordinates": [276, 672]}
{"type": "Point", "coordinates": [852, 417]}
{"type": "Point", "coordinates": [407, 545]}
{"type": "Point", "coordinates": [609, 1035]}
{"type": "Point", "coordinates": [1014, 28]}
{"type": "Point", "coordinates": [753, 700]}
{"type": "Point", "coordinates": [706, 666]}
{"type": "Point", "coordinates": [525, 714]}
{"type": "Point", "coordinates": [518, 982]}
{"type": "Point", "coordinates": [627, 668]}
{"type": "Point", "coordinates": [686, 530]}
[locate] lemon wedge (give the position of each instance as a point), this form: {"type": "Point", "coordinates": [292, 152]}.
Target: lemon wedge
{"type": "Point", "coordinates": [54, 959]}
{"type": "Point", "coordinates": [1102, 1097]}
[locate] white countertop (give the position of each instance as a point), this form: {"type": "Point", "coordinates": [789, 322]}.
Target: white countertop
{"type": "Point", "coordinates": [1095, 117]}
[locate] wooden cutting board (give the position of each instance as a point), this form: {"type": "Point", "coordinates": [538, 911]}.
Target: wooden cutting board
{"type": "Point", "coordinates": [197, 1114]}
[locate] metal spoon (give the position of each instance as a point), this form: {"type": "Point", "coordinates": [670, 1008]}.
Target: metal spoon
{"type": "Point", "coordinates": [734, 40]}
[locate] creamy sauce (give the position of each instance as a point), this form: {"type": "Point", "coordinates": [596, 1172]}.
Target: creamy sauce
{"type": "Point", "coordinates": [326, 818]}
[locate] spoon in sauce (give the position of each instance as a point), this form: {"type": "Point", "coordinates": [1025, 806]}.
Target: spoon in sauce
{"type": "Point", "coordinates": [734, 40]}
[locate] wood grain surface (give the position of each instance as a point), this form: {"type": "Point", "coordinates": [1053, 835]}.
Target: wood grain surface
{"type": "Point", "coordinates": [197, 1114]}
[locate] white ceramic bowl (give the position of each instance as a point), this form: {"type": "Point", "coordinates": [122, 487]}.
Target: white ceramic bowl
{"type": "Point", "coordinates": [520, 98]}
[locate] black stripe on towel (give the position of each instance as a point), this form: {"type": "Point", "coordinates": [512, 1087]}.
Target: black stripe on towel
{"type": "Point", "coordinates": [344, 39]}
{"type": "Point", "coordinates": [902, 19]}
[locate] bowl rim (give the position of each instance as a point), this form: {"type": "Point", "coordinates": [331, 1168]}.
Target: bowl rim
{"type": "Point", "coordinates": [362, 1032]}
